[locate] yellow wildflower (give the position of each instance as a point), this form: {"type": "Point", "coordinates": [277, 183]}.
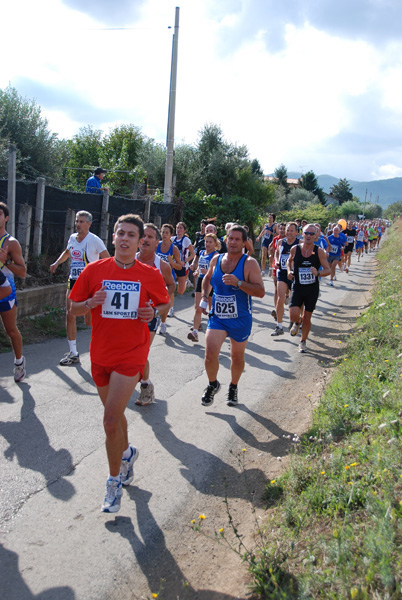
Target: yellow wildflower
{"type": "Point", "coordinates": [192, 521]}
{"type": "Point", "coordinates": [273, 481]}
{"type": "Point", "coordinates": [221, 530]}
{"type": "Point", "coordinates": [154, 595]}
{"type": "Point", "coordinates": [353, 464]}
{"type": "Point", "coordinates": [347, 467]}
{"type": "Point", "coordinates": [322, 473]}
{"type": "Point", "coordinates": [244, 450]}
{"type": "Point", "coordinates": [201, 517]}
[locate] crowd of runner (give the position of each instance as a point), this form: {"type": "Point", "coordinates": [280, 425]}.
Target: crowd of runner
{"type": "Point", "coordinates": [128, 297]}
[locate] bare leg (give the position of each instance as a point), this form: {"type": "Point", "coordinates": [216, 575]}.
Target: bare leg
{"type": "Point", "coordinates": [214, 339]}
{"type": "Point", "coordinates": [237, 350]}
{"type": "Point", "coordinates": [9, 319]}
{"type": "Point", "coordinates": [115, 398]}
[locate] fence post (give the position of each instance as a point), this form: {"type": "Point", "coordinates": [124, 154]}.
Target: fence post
{"type": "Point", "coordinates": [24, 229]}
{"type": "Point", "coordinates": [38, 226]}
{"type": "Point", "coordinates": [147, 209]}
{"type": "Point", "coordinates": [104, 224]}
{"type": "Point", "coordinates": [11, 187]}
{"type": "Point", "coordinates": [69, 226]}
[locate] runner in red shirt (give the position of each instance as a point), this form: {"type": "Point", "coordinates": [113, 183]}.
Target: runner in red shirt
{"type": "Point", "coordinates": [123, 295]}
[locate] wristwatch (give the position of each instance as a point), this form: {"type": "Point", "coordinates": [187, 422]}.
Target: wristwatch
{"type": "Point", "coordinates": [87, 305]}
{"type": "Point", "coordinates": [240, 283]}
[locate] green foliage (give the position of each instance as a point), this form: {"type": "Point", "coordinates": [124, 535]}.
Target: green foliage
{"type": "Point", "coordinates": [309, 182]}
{"type": "Point", "coordinates": [393, 209]}
{"type": "Point", "coordinates": [118, 152]}
{"type": "Point", "coordinates": [373, 211]}
{"type": "Point", "coordinates": [281, 177]}
{"type": "Point", "coordinates": [342, 191]}
{"type": "Point", "coordinates": [39, 152]}
{"type": "Point", "coordinates": [351, 207]}
{"type": "Point", "coordinates": [300, 198]}
{"type": "Point", "coordinates": [313, 213]}
{"type": "Point", "coordinates": [336, 513]}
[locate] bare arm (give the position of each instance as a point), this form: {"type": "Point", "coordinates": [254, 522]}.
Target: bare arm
{"type": "Point", "coordinates": [326, 269]}
{"type": "Point", "coordinates": [11, 254]}
{"type": "Point", "coordinates": [104, 254]}
{"type": "Point", "coordinates": [62, 258]}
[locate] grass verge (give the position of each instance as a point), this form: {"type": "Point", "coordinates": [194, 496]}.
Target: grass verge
{"type": "Point", "coordinates": [335, 519]}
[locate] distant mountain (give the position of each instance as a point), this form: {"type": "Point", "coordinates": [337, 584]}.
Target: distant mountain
{"type": "Point", "coordinates": [382, 191]}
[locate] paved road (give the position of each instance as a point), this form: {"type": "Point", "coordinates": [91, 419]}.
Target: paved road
{"type": "Point", "coordinates": [54, 541]}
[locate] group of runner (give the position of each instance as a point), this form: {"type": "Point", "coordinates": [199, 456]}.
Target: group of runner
{"type": "Point", "coordinates": [127, 296]}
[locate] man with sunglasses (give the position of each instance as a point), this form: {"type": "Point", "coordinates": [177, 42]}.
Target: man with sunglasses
{"type": "Point", "coordinates": [303, 265]}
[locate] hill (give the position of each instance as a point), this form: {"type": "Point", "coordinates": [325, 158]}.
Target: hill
{"type": "Point", "coordinates": [382, 191]}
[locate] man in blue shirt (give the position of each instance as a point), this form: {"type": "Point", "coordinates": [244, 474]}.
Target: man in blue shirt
{"type": "Point", "coordinates": [93, 185]}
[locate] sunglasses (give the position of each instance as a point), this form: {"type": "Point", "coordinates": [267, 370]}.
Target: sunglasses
{"type": "Point", "coordinates": [309, 232]}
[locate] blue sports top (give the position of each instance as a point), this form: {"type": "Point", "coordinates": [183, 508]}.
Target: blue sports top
{"type": "Point", "coordinates": [335, 245]}
{"type": "Point", "coordinates": [204, 260]}
{"type": "Point", "coordinates": [228, 301]}
{"type": "Point", "coordinates": [93, 185]}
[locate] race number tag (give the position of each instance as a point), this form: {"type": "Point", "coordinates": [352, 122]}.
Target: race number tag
{"type": "Point", "coordinates": [334, 249]}
{"type": "Point", "coordinates": [225, 307]}
{"type": "Point", "coordinates": [350, 239]}
{"type": "Point", "coordinates": [306, 276]}
{"type": "Point", "coordinates": [284, 258]}
{"type": "Point", "coordinates": [76, 268]}
{"type": "Point", "coordinates": [122, 299]}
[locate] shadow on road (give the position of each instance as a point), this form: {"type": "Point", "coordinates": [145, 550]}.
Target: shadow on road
{"type": "Point", "coordinates": [13, 587]}
{"type": "Point", "coordinates": [153, 556]}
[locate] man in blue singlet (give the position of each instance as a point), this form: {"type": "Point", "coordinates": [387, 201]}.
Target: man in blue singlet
{"type": "Point", "coordinates": [11, 263]}
{"type": "Point", "coordinates": [234, 278]}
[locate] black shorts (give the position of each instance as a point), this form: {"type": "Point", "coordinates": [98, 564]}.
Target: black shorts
{"type": "Point", "coordinates": [348, 248]}
{"type": "Point", "coordinates": [283, 276]}
{"type": "Point", "coordinates": [182, 272]}
{"type": "Point", "coordinates": [154, 324]}
{"type": "Point", "coordinates": [307, 296]}
{"type": "Point", "coordinates": [199, 286]}
{"type": "Point", "coordinates": [70, 284]}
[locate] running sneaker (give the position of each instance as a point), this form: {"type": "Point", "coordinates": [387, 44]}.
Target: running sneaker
{"type": "Point", "coordinates": [19, 371]}
{"type": "Point", "coordinates": [270, 271]}
{"type": "Point", "coordinates": [302, 347]}
{"type": "Point", "coordinates": [346, 270]}
{"type": "Point", "coordinates": [111, 503]}
{"type": "Point", "coordinates": [209, 393]}
{"type": "Point", "coordinates": [162, 329]}
{"type": "Point", "coordinates": [147, 394]}
{"type": "Point", "coordinates": [331, 283]}
{"type": "Point", "coordinates": [127, 467]}
{"type": "Point", "coordinates": [171, 312]}
{"type": "Point", "coordinates": [273, 314]}
{"type": "Point", "coordinates": [232, 399]}
{"type": "Point", "coordinates": [294, 330]}
{"type": "Point", "coordinates": [193, 336]}
{"type": "Point", "coordinates": [70, 359]}
{"type": "Point", "coordinates": [277, 331]}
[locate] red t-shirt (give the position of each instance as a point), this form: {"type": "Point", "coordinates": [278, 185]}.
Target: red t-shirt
{"type": "Point", "coordinates": [118, 337]}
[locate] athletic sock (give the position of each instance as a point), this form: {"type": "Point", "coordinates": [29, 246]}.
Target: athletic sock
{"type": "Point", "coordinates": [127, 453]}
{"type": "Point", "coordinates": [195, 331]}
{"type": "Point", "coordinates": [18, 361]}
{"type": "Point", "coordinates": [145, 382]}
{"type": "Point", "coordinates": [73, 346]}
{"type": "Point", "coordinates": [233, 386]}
{"type": "Point", "coordinates": [117, 478]}
{"type": "Point", "coordinates": [280, 325]}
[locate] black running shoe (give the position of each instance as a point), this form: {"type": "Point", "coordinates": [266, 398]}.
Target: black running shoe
{"type": "Point", "coordinates": [209, 393]}
{"type": "Point", "coordinates": [232, 399]}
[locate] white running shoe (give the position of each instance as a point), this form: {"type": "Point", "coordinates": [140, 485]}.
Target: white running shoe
{"type": "Point", "coordinates": [70, 359]}
{"type": "Point", "coordinates": [19, 371]}
{"type": "Point", "coordinates": [162, 329]}
{"type": "Point", "coordinates": [171, 312]}
{"type": "Point", "coordinates": [114, 492]}
{"type": "Point", "coordinates": [127, 467]}
{"type": "Point", "coordinates": [147, 395]}
{"type": "Point", "coordinates": [193, 336]}
{"type": "Point", "coordinates": [294, 330]}
{"type": "Point", "coordinates": [302, 347]}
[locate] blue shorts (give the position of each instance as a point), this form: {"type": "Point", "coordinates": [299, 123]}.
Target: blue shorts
{"type": "Point", "coordinates": [266, 242]}
{"type": "Point", "coordinates": [238, 334]}
{"type": "Point", "coordinates": [283, 276]}
{"type": "Point", "coordinates": [359, 245]}
{"type": "Point", "coordinates": [154, 324]}
{"type": "Point", "coordinates": [6, 305]}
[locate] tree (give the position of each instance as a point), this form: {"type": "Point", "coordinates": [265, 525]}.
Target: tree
{"type": "Point", "coordinates": [351, 207]}
{"type": "Point", "coordinates": [39, 151]}
{"type": "Point", "coordinates": [342, 191]}
{"type": "Point", "coordinates": [281, 177]}
{"type": "Point", "coordinates": [301, 198]}
{"type": "Point", "coordinates": [309, 182]}
{"type": "Point", "coordinates": [393, 209]}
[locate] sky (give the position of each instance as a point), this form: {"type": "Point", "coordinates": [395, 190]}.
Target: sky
{"type": "Point", "coordinates": [311, 85]}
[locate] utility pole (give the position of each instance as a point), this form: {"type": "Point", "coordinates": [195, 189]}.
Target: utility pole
{"type": "Point", "coordinates": [168, 191]}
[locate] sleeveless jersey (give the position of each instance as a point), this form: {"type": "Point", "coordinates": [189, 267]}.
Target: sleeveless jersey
{"type": "Point", "coordinates": [302, 268]}
{"type": "Point", "coordinates": [284, 255]}
{"type": "Point", "coordinates": [230, 302]}
{"type": "Point", "coordinates": [9, 275]}
{"type": "Point", "coordinates": [204, 260]}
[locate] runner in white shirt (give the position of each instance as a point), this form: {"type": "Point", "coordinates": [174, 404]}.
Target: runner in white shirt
{"type": "Point", "coordinates": [83, 247]}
